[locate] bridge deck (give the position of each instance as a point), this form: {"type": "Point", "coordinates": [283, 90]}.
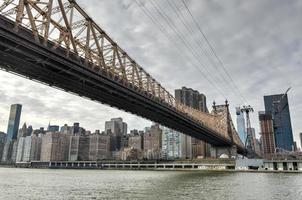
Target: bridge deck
{"type": "Point", "coordinates": [22, 54]}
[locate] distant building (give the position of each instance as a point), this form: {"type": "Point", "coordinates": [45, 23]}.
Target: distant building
{"type": "Point", "coordinates": [79, 148]}
{"type": "Point", "coordinates": [186, 146]}
{"type": "Point", "coordinates": [29, 148]}
{"type": "Point", "coordinates": [35, 150]}
{"type": "Point", "coordinates": [295, 147]}
{"type": "Point", "coordinates": [192, 98]}
{"type": "Point", "coordinates": [136, 140]}
{"type": "Point", "coordinates": [301, 141]}
{"type": "Point", "coordinates": [53, 128]}
{"type": "Point", "coordinates": [267, 134]}
{"type": "Point", "coordinates": [125, 141]}
{"type": "Point", "coordinates": [39, 131]}
{"type": "Point", "coordinates": [2, 143]}
{"type": "Point", "coordinates": [131, 154]}
{"type": "Point", "coordinates": [55, 147]}
{"type": "Point", "coordinates": [116, 128]}
{"type": "Point", "coordinates": [9, 152]}
{"type": "Point", "coordinates": [20, 149]}
{"type": "Point", "coordinates": [277, 106]}
{"type": "Point", "coordinates": [13, 122]}
{"type": "Point", "coordinates": [25, 131]}
{"type": "Point", "coordinates": [153, 143]}
{"type": "Point", "coordinates": [200, 149]}
{"type": "Point", "coordinates": [241, 125]}
{"type": "Point", "coordinates": [66, 129]}
{"type": "Point", "coordinates": [171, 144]}
{"type": "Point", "coordinates": [99, 148]}
{"type": "Point", "coordinates": [258, 147]}
{"type": "Point", "coordinates": [76, 128]}
{"type": "Point", "coordinates": [253, 134]}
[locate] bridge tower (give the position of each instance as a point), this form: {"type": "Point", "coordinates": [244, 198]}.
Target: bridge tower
{"type": "Point", "coordinates": [249, 138]}
{"type": "Point", "coordinates": [230, 151]}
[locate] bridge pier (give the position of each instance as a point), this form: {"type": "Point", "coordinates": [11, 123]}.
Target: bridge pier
{"type": "Point", "coordinates": [218, 152]}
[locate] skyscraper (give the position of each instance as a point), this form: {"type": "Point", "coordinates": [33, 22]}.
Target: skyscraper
{"type": "Point", "coordinates": [116, 128]}
{"type": "Point", "coordinates": [241, 125]}
{"type": "Point", "coordinates": [13, 122]}
{"type": "Point", "coordinates": [193, 99]}
{"type": "Point", "coordinates": [301, 141]}
{"type": "Point", "coordinates": [267, 134]}
{"type": "Point", "coordinates": [153, 142]}
{"type": "Point", "coordinates": [277, 106]}
{"type": "Point", "coordinates": [171, 144]}
{"type": "Point", "coordinates": [2, 143]}
{"type": "Point", "coordinates": [53, 128]}
{"type": "Point", "coordinates": [76, 128]}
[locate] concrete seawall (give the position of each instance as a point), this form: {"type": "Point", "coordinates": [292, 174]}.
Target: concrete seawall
{"type": "Point", "coordinates": [243, 165]}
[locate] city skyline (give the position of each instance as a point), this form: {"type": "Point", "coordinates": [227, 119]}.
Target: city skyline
{"type": "Point", "coordinates": [48, 104]}
{"type": "Point", "coordinates": [150, 99]}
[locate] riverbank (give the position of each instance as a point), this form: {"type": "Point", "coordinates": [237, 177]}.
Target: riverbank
{"type": "Point", "coordinates": [148, 166]}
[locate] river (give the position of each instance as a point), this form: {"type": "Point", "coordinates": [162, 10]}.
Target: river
{"type": "Point", "coordinates": [114, 184]}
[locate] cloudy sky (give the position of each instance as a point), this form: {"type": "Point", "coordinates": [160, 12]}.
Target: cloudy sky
{"type": "Point", "coordinates": [259, 43]}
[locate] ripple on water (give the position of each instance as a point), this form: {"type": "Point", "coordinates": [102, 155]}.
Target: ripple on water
{"type": "Point", "coordinates": [111, 184]}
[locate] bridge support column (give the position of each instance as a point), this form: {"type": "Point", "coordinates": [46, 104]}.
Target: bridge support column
{"type": "Point", "coordinates": [223, 152]}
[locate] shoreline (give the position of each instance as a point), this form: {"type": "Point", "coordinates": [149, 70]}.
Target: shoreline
{"type": "Point", "coordinates": [160, 169]}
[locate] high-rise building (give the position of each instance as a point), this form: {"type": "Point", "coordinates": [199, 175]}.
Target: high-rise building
{"type": "Point", "coordinates": [78, 148]}
{"type": "Point", "coordinates": [136, 140]}
{"type": "Point", "coordinates": [76, 128]}
{"type": "Point", "coordinates": [171, 144]}
{"type": "Point", "coordinates": [99, 148]}
{"type": "Point", "coordinates": [2, 143]}
{"type": "Point", "coordinates": [24, 149]}
{"type": "Point", "coordinates": [20, 149]}
{"type": "Point", "coordinates": [192, 98]}
{"type": "Point", "coordinates": [200, 149]}
{"type": "Point", "coordinates": [241, 125]}
{"type": "Point", "coordinates": [253, 134]}
{"type": "Point", "coordinates": [35, 150]}
{"type": "Point", "coordinates": [53, 128]}
{"type": "Point", "coordinates": [277, 106]}
{"type": "Point", "coordinates": [117, 126]}
{"type": "Point", "coordinates": [267, 134]}
{"type": "Point", "coordinates": [7, 151]}
{"type": "Point", "coordinates": [301, 141]}
{"type": "Point", "coordinates": [22, 131]}
{"type": "Point", "coordinates": [13, 122]}
{"type": "Point", "coordinates": [153, 143]}
{"type": "Point", "coordinates": [117, 129]}
{"type": "Point", "coordinates": [66, 129]}
{"type": "Point", "coordinates": [55, 146]}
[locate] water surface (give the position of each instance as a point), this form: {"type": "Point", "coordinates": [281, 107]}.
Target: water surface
{"type": "Point", "coordinates": [114, 184]}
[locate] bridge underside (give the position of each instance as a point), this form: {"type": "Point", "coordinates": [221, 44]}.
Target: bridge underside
{"type": "Point", "coordinates": [21, 54]}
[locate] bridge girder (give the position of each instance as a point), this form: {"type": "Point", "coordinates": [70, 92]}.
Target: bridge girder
{"type": "Point", "coordinates": [65, 31]}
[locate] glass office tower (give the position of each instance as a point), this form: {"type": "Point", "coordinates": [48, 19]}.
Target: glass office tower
{"type": "Point", "coordinates": [241, 125]}
{"type": "Point", "coordinates": [13, 122]}
{"type": "Point", "coordinates": [277, 106]}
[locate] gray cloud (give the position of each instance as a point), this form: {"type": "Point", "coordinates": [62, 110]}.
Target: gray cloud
{"type": "Point", "coordinates": [258, 41]}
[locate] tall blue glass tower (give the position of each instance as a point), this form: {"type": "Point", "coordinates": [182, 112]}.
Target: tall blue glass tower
{"type": "Point", "coordinates": [13, 122]}
{"type": "Point", "coordinates": [241, 125]}
{"type": "Point", "coordinates": [277, 106]}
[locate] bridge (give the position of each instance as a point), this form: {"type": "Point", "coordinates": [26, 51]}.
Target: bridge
{"type": "Point", "coordinates": [57, 43]}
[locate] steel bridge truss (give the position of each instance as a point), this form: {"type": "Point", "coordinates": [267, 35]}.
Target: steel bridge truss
{"type": "Point", "coordinates": [63, 24]}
